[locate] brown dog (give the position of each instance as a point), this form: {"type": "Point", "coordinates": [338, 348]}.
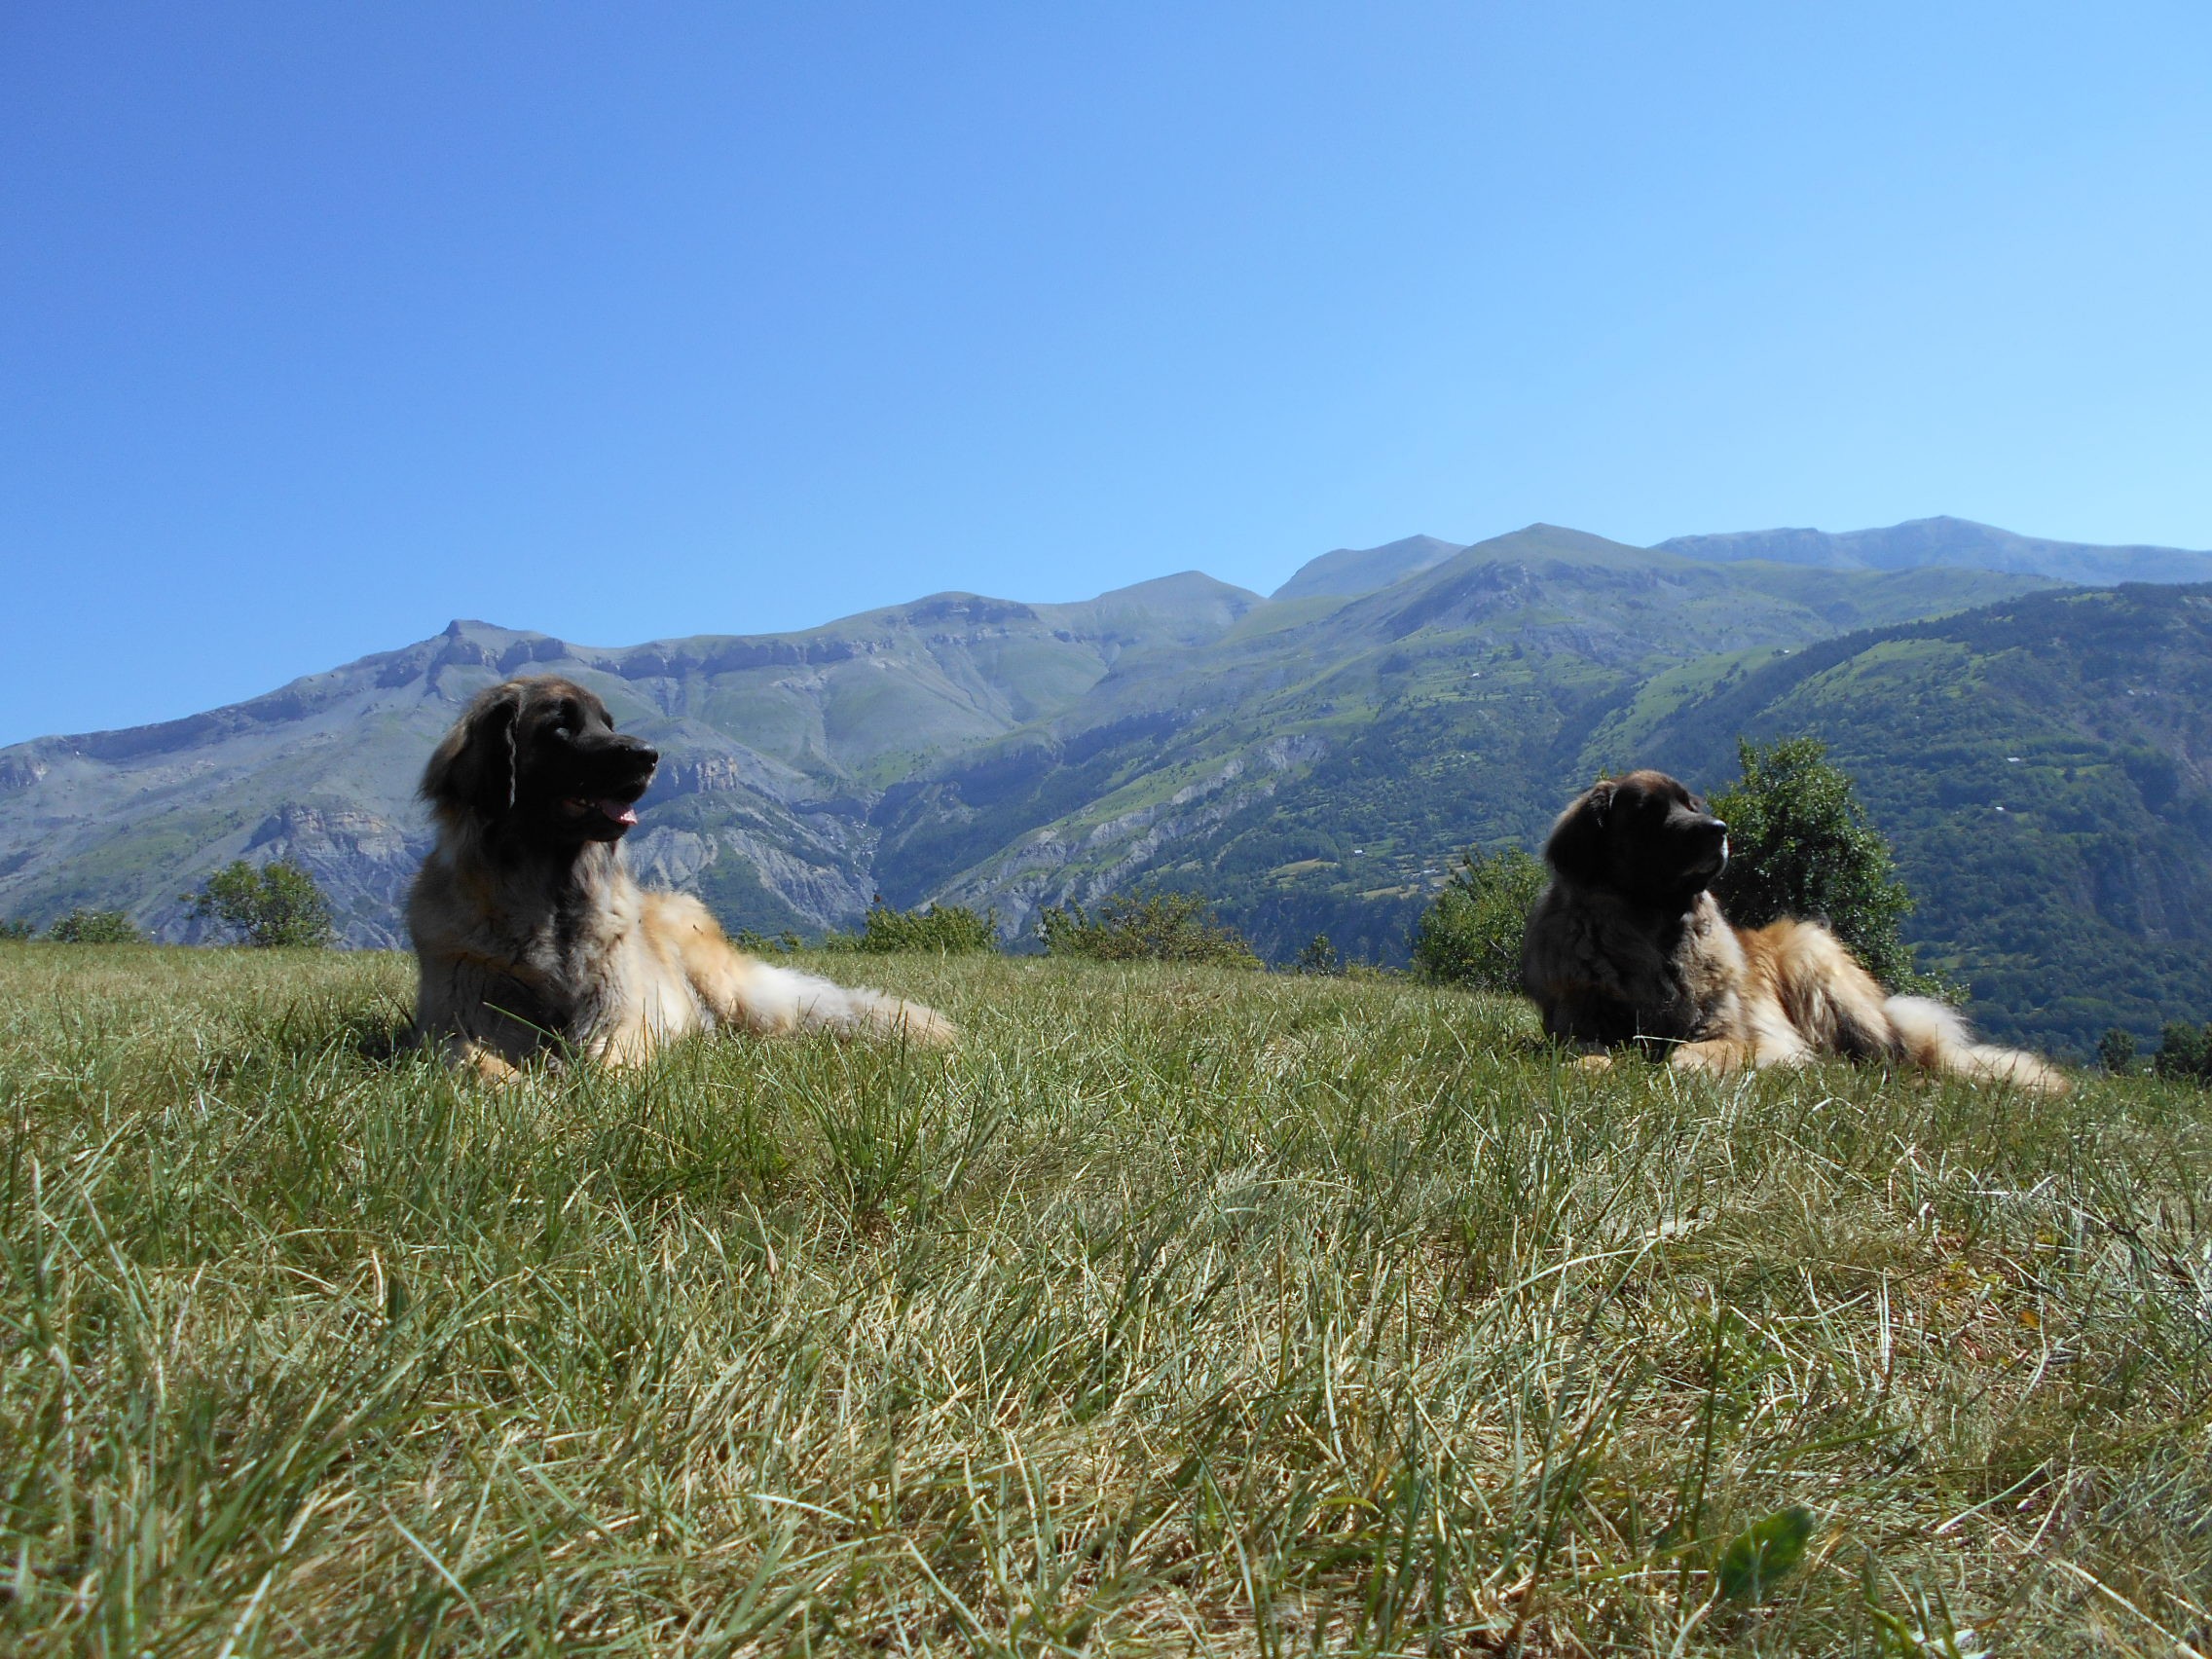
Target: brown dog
{"type": "Point", "coordinates": [532, 937]}
{"type": "Point", "coordinates": [1628, 945]}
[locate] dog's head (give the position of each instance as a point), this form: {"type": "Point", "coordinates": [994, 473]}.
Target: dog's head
{"type": "Point", "coordinates": [540, 758]}
{"type": "Point", "coordinates": [1645, 835]}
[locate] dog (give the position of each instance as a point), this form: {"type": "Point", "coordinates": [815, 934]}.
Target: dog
{"type": "Point", "coordinates": [533, 939]}
{"type": "Point", "coordinates": [1628, 945]}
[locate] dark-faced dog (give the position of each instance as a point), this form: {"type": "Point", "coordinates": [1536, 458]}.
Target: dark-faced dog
{"type": "Point", "coordinates": [1628, 945]}
{"type": "Point", "coordinates": [531, 934]}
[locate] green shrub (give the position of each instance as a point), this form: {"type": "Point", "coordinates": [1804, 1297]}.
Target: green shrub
{"type": "Point", "coordinates": [2185, 1053]}
{"type": "Point", "coordinates": [2115, 1051]}
{"type": "Point", "coordinates": [1799, 845]}
{"type": "Point", "coordinates": [15, 927]}
{"type": "Point", "coordinates": [762, 945]}
{"type": "Point", "coordinates": [1145, 927]}
{"type": "Point", "coordinates": [95, 927]}
{"type": "Point", "coordinates": [940, 930]}
{"type": "Point", "coordinates": [1471, 933]}
{"type": "Point", "coordinates": [1321, 956]}
{"type": "Point", "coordinates": [277, 904]}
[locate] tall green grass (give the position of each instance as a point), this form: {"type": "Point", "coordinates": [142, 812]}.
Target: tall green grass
{"type": "Point", "coordinates": [1178, 1311]}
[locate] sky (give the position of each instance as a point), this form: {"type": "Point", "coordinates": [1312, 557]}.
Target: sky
{"type": "Point", "coordinates": [321, 325]}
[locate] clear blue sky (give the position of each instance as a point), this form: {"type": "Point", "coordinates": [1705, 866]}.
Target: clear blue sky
{"type": "Point", "coordinates": [321, 325]}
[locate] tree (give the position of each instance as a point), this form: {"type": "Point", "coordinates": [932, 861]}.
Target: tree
{"type": "Point", "coordinates": [16, 928]}
{"type": "Point", "coordinates": [1799, 845]}
{"type": "Point", "coordinates": [1319, 957]}
{"type": "Point", "coordinates": [2115, 1051]}
{"type": "Point", "coordinates": [1145, 927]}
{"type": "Point", "coordinates": [943, 929]}
{"type": "Point", "coordinates": [1471, 933]}
{"type": "Point", "coordinates": [95, 927]}
{"type": "Point", "coordinates": [278, 905]}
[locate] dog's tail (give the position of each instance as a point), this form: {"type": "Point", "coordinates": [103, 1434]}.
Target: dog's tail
{"type": "Point", "coordinates": [759, 996]}
{"type": "Point", "coordinates": [782, 999]}
{"type": "Point", "coordinates": [1933, 1035]}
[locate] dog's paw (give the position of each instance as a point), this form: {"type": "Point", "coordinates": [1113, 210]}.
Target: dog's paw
{"type": "Point", "coordinates": [1716, 1055]}
{"type": "Point", "coordinates": [488, 1067]}
{"type": "Point", "coordinates": [1596, 1062]}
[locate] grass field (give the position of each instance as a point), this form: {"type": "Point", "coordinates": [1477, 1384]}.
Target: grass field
{"type": "Point", "coordinates": [1178, 1311]}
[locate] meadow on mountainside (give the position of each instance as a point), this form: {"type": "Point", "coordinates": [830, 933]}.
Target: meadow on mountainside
{"type": "Point", "coordinates": [1177, 1310]}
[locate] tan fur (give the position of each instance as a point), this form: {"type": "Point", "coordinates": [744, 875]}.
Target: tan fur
{"type": "Point", "coordinates": [1627, 946]}
{"type": "Point", "coordinates": [523, 951]}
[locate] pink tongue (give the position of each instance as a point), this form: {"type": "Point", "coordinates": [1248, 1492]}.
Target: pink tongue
{"type": "Point", "coordinates": [620, 812]}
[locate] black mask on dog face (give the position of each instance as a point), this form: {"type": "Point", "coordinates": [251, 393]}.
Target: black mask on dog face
{"type": "Point", "coordinates": [540, 758]}
{"type": "Point", "coordinates": [1645, 836]}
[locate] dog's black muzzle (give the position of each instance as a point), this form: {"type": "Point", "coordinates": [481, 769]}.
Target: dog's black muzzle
{"type": "Point", "coordinates": [616, 771]}
{"type": "Point", "coordinates": [1712, 839]}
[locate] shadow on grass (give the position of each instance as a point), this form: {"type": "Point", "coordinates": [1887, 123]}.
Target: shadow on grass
{"type": "Point", "coordinates": [384, 1037]}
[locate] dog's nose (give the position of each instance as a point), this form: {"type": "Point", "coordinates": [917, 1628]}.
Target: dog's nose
{"type": "Point", "coordinates": [1719, 824]}
{"type": "Point", "coordinates": [643, 750]}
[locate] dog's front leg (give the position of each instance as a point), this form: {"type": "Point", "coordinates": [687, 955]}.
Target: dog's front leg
{"type": "Point", "coordinates": [627, 1040]}
{"type": "Point", "coordinates": [619, 1030]}
{"type": "Point", "coordinates": [1717, 1054]}
{"type": "Point", "coordinates": [467, 1054]}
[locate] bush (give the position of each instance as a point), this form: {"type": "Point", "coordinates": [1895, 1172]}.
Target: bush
{"type": "Point", "coordinates": [1471, 933]}
{"type": "Point", "coordinates": [278, 905]}
{"type": "Point", "coordinates": [1799, 845]}
{"type": "Point", "coordinates": [2185, 1054]}
{"type": "Point", "coordinates": [2115, 1051]}
{"type": "Point", "coordinates": [941, 929]}
{"type": "Point", "coordinates": [1319, 956]}
{"type": "Point", "coordinates": [13, 927]}
{"type": "Point", "coordinates": [761, 944]}
{"type": "Point", "coordinates": [1145, 927]}
{"type": "Point", "coordinates": [95, 927]}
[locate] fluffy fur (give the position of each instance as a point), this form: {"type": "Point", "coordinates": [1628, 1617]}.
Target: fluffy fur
{"type": "Point", "coordinates": [533, 937]}
{"type": "Point", "coordinates": [1628, 945]}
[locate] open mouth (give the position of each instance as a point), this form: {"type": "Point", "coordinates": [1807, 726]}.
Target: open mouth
{"type": "Point", "coordinates": [616, 812]}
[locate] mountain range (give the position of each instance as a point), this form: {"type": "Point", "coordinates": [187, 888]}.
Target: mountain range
{"type": "Point", "coordinates": [2030, 737]}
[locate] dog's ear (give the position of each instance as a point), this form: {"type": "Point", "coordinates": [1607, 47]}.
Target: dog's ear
{"type": "Point", "coordinates": [473, 769]}
{"type": "Point", "coordinates": [1576, 847]}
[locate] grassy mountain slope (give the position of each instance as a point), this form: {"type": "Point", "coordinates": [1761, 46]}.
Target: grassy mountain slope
{"type": "Point", "coordinates": [1316, 777]}
{"type": "Point", "coordinates": [1953, 541]}
{"type": "Point", "coordinates": [2044, 767]}
{"type": "Point", "coordinates": [1352, 571]}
